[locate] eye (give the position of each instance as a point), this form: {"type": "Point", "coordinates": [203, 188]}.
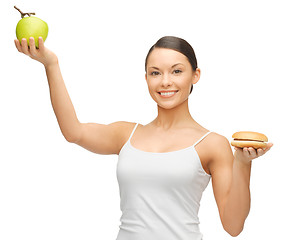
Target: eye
{"type": "Point", "coordinates": [177, 71]}
{"type": "Point", "coordinates": [154, 73]}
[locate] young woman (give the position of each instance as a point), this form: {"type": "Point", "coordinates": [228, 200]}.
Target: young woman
{"type": "Point", "coordinates": [164, 166]}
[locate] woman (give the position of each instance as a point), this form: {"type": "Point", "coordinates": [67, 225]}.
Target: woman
{"type": "Point", "coordinates": [164, 166]}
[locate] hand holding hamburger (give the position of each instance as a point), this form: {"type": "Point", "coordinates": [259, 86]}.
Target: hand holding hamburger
{"type": "Point", "coordinates": [250, 145]}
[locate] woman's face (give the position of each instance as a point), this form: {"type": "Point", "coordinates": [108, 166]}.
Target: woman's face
{"type": "Point", "coordinates": [169, 76]}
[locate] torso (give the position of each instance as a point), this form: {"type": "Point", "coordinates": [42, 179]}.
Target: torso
{"type": "Point", "coordinates": [149, 139]}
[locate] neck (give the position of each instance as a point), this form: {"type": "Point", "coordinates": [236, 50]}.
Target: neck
{"type": "Point", "coordinates": [173, 118]}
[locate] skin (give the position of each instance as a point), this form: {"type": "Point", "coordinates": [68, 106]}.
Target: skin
{"type": "Point", "coordinates": [166, 70]}
{"type": "Point", "coordinates": [43, 54]}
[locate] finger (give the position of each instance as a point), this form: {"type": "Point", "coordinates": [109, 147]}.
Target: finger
{"type": "Point", "coordinates": [18, 45]}
{"type": "Point", "coordinates": [260, 152]}
{"type": "Point", "coordinates": [245, 152]}
{"type": "Point", "coordinates": [41, 43]}
{"type": "Point", "coordinates": [32, 47]}
{"type": "Point", "coordinates": [269, 145]}
{"type": "Point", "coordinates": [252, 152]}
{"type": "Point", "coordinates": [238, 150]}
{"type": "Point", "coordinates": [24, 45]}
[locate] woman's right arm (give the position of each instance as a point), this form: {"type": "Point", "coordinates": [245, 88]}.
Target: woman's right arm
{"type": "Point", "coordinates": [98, 138]}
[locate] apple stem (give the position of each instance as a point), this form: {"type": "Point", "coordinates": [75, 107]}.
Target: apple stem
{"type": "Point", "coordinates": [23, 14]}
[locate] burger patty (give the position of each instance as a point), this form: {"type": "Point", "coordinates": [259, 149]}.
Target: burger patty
{"type": "Point", "coordinates": [236, 139]}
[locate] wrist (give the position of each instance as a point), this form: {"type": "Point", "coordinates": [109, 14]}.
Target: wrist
{"type": "Point", "coordinates": [51, 64]}
{"type": "Point", "coordinates": [241, 162]}
{"type": "Point", "coordinates": [243, 156]}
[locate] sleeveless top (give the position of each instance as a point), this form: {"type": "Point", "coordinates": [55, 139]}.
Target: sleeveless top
{"type": "Point", "coordinates": [160, 193]}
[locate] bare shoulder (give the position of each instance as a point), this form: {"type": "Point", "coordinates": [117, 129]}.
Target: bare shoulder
{"type": "Point", "coordinates": [122, 127]}
{"type": "Point", "coordinates": [220, 150]}
{"type": "Point", "coordinates": [123, 130]}
{"type": "Point", "coordinates": [215, 142]}
{"type": "Point", "coordinates": [218, 141]}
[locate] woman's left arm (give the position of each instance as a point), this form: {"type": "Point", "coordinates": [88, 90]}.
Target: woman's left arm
{"type": "Point", "coordinates": [231, 181]}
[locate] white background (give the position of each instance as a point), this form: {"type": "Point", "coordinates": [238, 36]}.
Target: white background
{"type": "Point", "coordinates": [52, 189]}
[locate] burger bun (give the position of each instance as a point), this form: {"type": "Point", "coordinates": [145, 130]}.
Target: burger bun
{"type": "Point", "coordinates": [249, 139]}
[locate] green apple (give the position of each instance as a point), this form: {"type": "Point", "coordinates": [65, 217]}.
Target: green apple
{"type": "Point", "coordinates": [31, 27]}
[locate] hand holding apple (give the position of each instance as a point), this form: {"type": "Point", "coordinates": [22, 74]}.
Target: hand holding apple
{"type": "Point", "coordinates": [31, 33]}
{"type": "Point", "coordinates": [42, 54]}
{"type": "Point", "coordinates": [31, 27]}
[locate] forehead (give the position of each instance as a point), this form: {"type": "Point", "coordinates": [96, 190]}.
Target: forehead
{"type": "Point", "coordinates": [165, 56]}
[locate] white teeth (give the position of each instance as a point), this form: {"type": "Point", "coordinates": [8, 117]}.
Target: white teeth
{"type": "Point", "coordinates": [167, 93]}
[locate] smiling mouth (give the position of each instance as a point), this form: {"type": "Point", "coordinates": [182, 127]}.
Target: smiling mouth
{"type": "Point", "coordinates": [165, 93]}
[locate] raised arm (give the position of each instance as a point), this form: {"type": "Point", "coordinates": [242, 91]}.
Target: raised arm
{"type": "Point", "coordinates": [61, 103]}
{"type": "Point", "coordinates": [98, 138]}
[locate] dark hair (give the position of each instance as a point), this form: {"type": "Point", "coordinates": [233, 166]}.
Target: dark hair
{"type": "Point", "coordinates": [177, 44]}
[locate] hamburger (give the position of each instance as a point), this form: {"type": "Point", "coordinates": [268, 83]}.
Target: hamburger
{"type": "Point", "coordinates": [249, 139]}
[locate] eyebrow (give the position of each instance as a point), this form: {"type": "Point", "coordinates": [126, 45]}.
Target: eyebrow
{"type": "Point", "coordinates": [171, 67]}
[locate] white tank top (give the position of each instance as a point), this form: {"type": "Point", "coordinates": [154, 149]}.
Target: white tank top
{"type": "Point", "coordinates": [160, 193]}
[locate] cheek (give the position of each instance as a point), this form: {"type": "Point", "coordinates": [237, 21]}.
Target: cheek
{"type": "Point", "coordinates": [151, 88]}
{"type": "Point", "coordinates": [152, 84]}
{"type": "Point", "coordinates": [186, 84]}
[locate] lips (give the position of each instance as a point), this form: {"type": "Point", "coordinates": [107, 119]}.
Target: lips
{"type": "Point", "coordinates": [169, 91]}
{"type": "Point", "coordinates": [167, 94]}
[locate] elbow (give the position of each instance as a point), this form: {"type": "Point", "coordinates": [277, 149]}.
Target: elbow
{"type": "Point", "coordinates": [234, 232]}
{"type": "Point", "coordinates": [71, 139]}
{"type": "Point", "coordinates": [233, 224]}
{"type": "Point", "coordinates": [72, 136]}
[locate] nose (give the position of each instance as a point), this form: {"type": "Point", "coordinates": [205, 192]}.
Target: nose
{"type": "Point", "coordinates": [166, 80]}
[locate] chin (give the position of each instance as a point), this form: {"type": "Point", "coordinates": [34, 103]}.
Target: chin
{"type": "Point", "coordinates": [167, 106]}
{"type": "Point", "coordinates": [170, 105]}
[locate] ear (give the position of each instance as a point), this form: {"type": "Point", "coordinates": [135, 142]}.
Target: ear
{"type": "Point", "coordinates": [196, 75]}
{"type": "Point", "coordinates": [145, 77]}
